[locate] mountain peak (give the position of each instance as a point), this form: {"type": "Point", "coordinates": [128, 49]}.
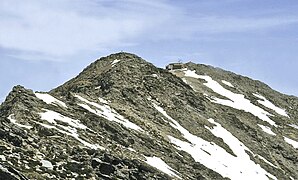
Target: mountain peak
{"type": "Point", "coordinates": [18, 94]}
{"type": "Point", "coordinates": [19, 101]}
{"type": "Point", "coordinates": [111, 60]}
{"type": "Point", "coordinates": [104, 72]}
{"type": "Point", "coordinates": [124, 118]}
{"type": "Point", "coordinates": [122, 56]}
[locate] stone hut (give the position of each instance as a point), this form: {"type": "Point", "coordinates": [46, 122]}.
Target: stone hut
{"type": "Point", "coordinates": [174, 66]}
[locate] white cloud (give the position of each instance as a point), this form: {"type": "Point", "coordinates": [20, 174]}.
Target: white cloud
{"type": "Point", "coordinates": [60, 28]}
{"type": "Point", "coordinates": [35, 27]}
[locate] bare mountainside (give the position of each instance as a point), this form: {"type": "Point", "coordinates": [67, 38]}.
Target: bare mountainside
{"type": "Point", "coordinates": [124, 118]}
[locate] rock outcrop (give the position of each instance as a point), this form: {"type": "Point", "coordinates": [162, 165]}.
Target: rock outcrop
{"type": "Point", "coordinates": [124, 118]}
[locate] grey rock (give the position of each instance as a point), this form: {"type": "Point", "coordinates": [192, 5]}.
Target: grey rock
{"type": "Point", "coordinates": [130, 87]}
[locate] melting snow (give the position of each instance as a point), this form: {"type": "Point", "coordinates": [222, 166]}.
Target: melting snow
{"type": "Point", "coordinates": [52, 116]}
{"type": "Point", "coordinates": [292, 142]}
{"type": "Point", "coordinates": [74, 134]}
{"type": "Point", "coordinates": [237, 101]}
{"type": "Point", "coordinates": [267, 129]}
{"type": "Point", "coordinates": [47, 164]}
{"type": "Point", "coordinates": [70, 130]}
{"type": "Point", "coordinates": [161, 165]}
{"type": "Point", "coordinates": [50, 99]}
{"type": "Point", "coordinates": [115, 62]}
{"type": "Point", "coordinates": [270, 105]}
{"type": "Point", "coordinates": [15, 122]}
{"type": "Point", "coordinates": [107, 112]}
{"type": "Point", "coordinates": [227, 83]}
{"type": "Point", "coordinates": [293, 125]}
{"type": "Point", "coordinates": [214, 156]}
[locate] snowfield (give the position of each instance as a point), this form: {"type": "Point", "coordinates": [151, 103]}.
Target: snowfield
{"type": "Point", "coordinates": [215, 157]}
{"type": "Point", "coordinates": [270, 105]}
{"type": "Point", "coordinates": [237, 101]}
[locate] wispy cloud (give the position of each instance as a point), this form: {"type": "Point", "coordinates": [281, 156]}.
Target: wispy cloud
{"type": "Point", "coordinates": [215, 24]}
{"type": "Point", "coordinates": [56, 29]}
{"type": "Point", "coordinates": [33, 26]}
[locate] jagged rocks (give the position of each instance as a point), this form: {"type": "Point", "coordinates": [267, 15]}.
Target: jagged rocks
{"type": "Point", "coordinates": [9, 173]}
{"type": "Point", "coordinates": [123, 118]}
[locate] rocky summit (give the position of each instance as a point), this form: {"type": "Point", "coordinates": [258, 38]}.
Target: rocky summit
{"type": "Point", "coordinates": [124, 118]}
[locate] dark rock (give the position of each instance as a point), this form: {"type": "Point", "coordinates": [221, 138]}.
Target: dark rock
{"type": "Point", "coordinates": [106, 169]}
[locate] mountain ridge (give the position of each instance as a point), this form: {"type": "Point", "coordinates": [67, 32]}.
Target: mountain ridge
{"type": "Point", "coordinates": [124, 118]}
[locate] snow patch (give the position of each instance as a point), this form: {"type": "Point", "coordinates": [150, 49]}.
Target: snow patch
{"type": "Point", "coordinates": [293, 126]}
{"type": "Point", "coordinates": [103, 101]}
{"type": "Point", "coordinates": [154, 75]}
{"type": "Point", "coordinates": [237, 146]}
{"type": "Point", "coordinates": [267, 129]}
{"type": "Point", "coordinates": [2, 158]}
{"type": "Point", "coordinates": [292, 142]}
{"type": "Point", "coordinates": [71, 130]}
{"type": "Point", "coordinates": [74, 134]}
{"type": "Point", "coordinates": [270, 105]}
{"type": "Point", "coordinates": [161, 165]}
{"type": "Point", "coordinates": [107, 112]}
{"type": "Point", "coordinates": [237, 101]}
{"type": "Point", "coordinates": [50, 99]}
{"type": "Point", "coordinates": [12, 120]}
{"type": "Point", "coordinates": [47, 164]}
{"type": "Point", "coordinates": [52, 117]}
{"type": "Point", "coordinates": [227, 83]}
{"type": "Point", "coordinates": [215, 157]}
{"type": "Point", "coordinates": [115, 62]}
{"type": "Point", "coordinates": [131, 149]}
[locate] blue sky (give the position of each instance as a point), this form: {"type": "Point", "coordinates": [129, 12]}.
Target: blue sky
{"type": "Point", "coordinates": [45, 43]}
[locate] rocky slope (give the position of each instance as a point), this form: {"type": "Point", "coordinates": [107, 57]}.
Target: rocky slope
{"type": "Point", "coordinates": [124, 118]}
